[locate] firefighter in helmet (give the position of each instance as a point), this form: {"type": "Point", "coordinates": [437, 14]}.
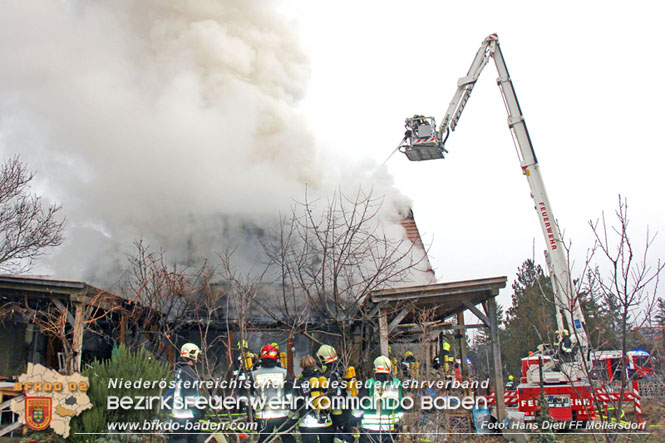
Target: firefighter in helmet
{"type": "Point", "coordinates": [409, 365]}
{"type": "Point", "coordinates": [315, 423]}
{"type": "Point", "coordinates": [510, 386]}
{"type": "Point", "coordinates": [566, 350]}
{"type": "Point", "coordinates": [381, 416]}
{"type": "Point", "coordinates": [337, 377]}
{"type": "Point", "coordinates": [184, 395]}
{"type": "Point", "coordinates": [244, 361]}
{"type": "Point", "coordinates": [272, 386]}
{"type": "Point", "coordinates": [445, 356]}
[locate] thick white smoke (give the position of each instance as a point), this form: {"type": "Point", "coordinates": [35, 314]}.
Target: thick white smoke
{"type": "Point", "coordinates": [173, 121]}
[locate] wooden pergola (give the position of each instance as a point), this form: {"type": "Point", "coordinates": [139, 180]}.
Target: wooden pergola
{"type": "Point", "coordinates": [396, 310]}
{"type": "Point", "coordinates": [77, 300]}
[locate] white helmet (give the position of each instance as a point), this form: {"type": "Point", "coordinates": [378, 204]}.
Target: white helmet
{"type": "Point", "coordinates": [382, 365]}
{"type": "Point", "coordinates": [190, 351]}
{"type": "Point", "coordinates": [326, 354]}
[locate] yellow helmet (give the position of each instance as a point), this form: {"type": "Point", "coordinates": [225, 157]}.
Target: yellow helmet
{"type": "Point", "coordinates": [190, 351]}
{"type": "Point", "coordinates": [510, 377]}
{"type": "Point", "coordinates": [408, 354]}
{"type": "Point", "coordinates": [326, 354]}
{"type": "Point", "coordinates": [382, 365]}
{"type": "Point", "coordinates": [446, 346]}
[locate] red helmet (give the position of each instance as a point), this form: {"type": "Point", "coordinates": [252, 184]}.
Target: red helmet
{"type": "Point", "coordinates": [270, 351]}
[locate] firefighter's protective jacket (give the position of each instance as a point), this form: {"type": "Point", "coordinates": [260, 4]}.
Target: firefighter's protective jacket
{"type": "Point", "coordinates": [312, 384]}
{"type": "Point", "coordinates": [384, 411]}
{"type": "Point", "coordinates": [185, 393]}
{"type": "Point", "coordinates": [271, 385]}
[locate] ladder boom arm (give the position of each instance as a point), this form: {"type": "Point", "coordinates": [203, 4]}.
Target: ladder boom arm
{"type": "Point", "coordinates": [566, 299]}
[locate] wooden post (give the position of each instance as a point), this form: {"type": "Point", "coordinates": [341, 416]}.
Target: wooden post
{"type": "Point", "coordinates": [428, 359]}
{"type": "Point", "coordinates": [77, 340]}
{"type": "Point", "coordinates": [123, 328]}
{"type": "Point", "coordinates": [170, 352]}
{"type": "Point", "coordinates": [383, 332]}
{"type": "Point", "coordinates": [496, 359]}
{"type": "Point", "coordinates": [461, 336]}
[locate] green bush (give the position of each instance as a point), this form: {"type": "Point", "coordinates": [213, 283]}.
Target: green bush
{"type": "Point", "coordinates": [128, 366]}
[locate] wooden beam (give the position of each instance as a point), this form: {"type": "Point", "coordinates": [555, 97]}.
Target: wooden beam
{"type": "Point", "coordinates": [399, 317]}
{"type": "Point", "coordinates": [478, 313]}
{"type": "Point", "coordinates": [383, 332]}
{"type": "Point", "coordinates": [414, 329]}
{"type": "Point", "coordinates": [81, 298]}
{"type": "Point", "coordinates": [376, 310]}
{"type": "Point", "coordinates": [454, 295]}
{"type": "Point", "coordinates": [6, 403]}
{"type": "Point", "coordinates": [464, 327]}
{"type": "Point", "coordinates": [70, 317]}
{"type": "Point", "coordinates": [7, 429]}
{"type": "Point", "coordinates": [443, 288]}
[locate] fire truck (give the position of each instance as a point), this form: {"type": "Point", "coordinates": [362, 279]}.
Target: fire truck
{"type": "Point", "coordinates": [567, 388]}
{"type": "Point", "coordinates": [607, 365]}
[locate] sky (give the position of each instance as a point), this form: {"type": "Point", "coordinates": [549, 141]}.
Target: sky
{"type": "Point", "coordinates": [151, 121]}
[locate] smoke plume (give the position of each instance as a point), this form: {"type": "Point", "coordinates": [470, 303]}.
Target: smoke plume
{"type": "Point", "coordinates": [171, 121]}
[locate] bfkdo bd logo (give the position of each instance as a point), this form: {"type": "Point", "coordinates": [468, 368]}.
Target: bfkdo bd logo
{"type": "Point", "coordinates": [38, 412]}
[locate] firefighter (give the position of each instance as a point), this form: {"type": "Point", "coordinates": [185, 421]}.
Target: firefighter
{"type": "Point", "coordinates": [245, 360]}
{"type": "Point", "coordinates": [381, 416]}
{"type": "Point", "coordinates": [185, 394]}
{"type": "Point", "coordinates": [566, 350]}
{"type": "Point", "coordinates": [447, 358]}
{"type": "Point", "coordinates": [393, 360]}
{"type": "Point", "coordinates": [510, 386]}
{"type": "Point", "coordinates": [315, 424]}
{"type": "Point", "coordinates": [272, 386]}
{"type": "Point", "coordinates": [420, 120]}
{"type": "Point", "coordinates": [409, 365]}
{"type": "Point", "coordinates": [334, 372]}
{"type": "Point", "coordinates": [243, 364]}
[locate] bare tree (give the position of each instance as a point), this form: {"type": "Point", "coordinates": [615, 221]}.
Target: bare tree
{"type": "Point", "coordinates": [28, 227]}
{"type": "Point", "coordinates": [328, 259]}
{"type": "Point", "coordinates": [166, 298]}
{"type": "Point", "coordinates": [631, 283]}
